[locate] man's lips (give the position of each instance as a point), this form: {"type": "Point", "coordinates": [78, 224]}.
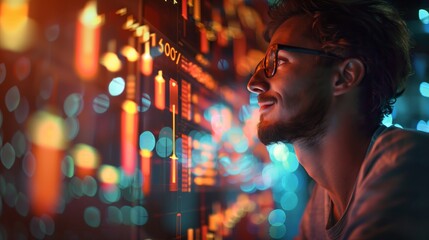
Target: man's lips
{"type": "Point", "coordinates": [265, 105]}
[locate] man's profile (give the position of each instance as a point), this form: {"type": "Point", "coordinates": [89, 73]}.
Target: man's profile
{"type": "Point", "coordinates": [332, 71]}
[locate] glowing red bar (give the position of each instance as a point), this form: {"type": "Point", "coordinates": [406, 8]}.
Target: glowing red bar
{"type": "Point", "coordinates": [146, 170]}
{"type": "Point", "coordinates": [184, 9]}
{"type": "Point", "coordinates": [45, 184]}
{"type": "Point", "coordinates": [128, 137]}
{"type": "Point", "coordinates": [204, 42]}
{"type": "Point", "coordinates": [87, 43]}
{"type": "Point", "coordinates": [159, 91]}
{"type": "Point", "coordinates": [146, 67]}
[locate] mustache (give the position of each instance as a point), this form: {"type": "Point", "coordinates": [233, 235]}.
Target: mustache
{"type": "Point", "coordinates": [264, 98]}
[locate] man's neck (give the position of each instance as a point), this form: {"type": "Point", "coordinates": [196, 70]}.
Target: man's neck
{"type": "Point", "coordinates": [334, 162]}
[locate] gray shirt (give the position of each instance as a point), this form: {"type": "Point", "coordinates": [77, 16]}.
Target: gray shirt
{"type": "Point", "coordinates": [390, 199]}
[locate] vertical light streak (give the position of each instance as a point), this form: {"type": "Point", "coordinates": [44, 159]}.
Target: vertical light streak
{"type": "Point", "coordinates": [190, 234]}
{"type": "Point", "coordinates": [147, 61]}
{"type": "Point", "coordinates": [48, 142]}
{"type": "Point", "coordinates": [197, 10]}
{"type": "Point", "coordinates": [178, 226]}
{"type": "Point", "coordinates": [173, 174]}
{"type": "Point", "coordinates": [159, 91]}
{"type": "Point", "coordinates": [87, 42]}
{"type": "Point", "coordinates": [128, 136]}
{"type": "Point", "coordinates": [174, 95]}
{"type": "Point", "coordinates": [184, 10]}
{"type": "Point", "coordinates": [146, 170]}
{"type": "Point", "coordinates": [204, 232]}
{"type": "Point", "coordinates": [204, 42]}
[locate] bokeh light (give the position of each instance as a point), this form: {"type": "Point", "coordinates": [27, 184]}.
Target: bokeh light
{"type": "Point", "coordinates": [291, 164]}
{"type": "Point", "coordinates": [424, 89]}
{"type": "Point", "coordinates": [7, 154]}
{"type": "Point", "coordinates": [92, 216]}
{"type": "Point", "coordinates": [277, 232]}
{"type": "Point", "coordinates": [289, 200]}
{"type": "Point", "coordinates": [108, 174]}
{"type": "Point", "coordinates": [73, 105]}
{"type": "Point", "coordinates": [138, 215]}
{"type": "Point", "coordinates": [67, 166]}
{"type": "Point", "coordinates": [164, 147]}
{"type": "Point", "coordinates": [85, 156]}
{"type": "Point", "coordinates": [147, 141]}
{"type": "Point", "coordinates": [145, 102]}
{"type": "Point", "coordinates": [114, 215]}
{"type": "Point", "coordinates": [89, 186]}
{"type": "Point", "coordinates": [116, 86]}
{"type": "Point", "coordinates": [423, 126]}
{"type": "Point", "coordinates": [424, 16]}
{"type": "Point", "coordinates": [21, 112]}
{"type": "Point", "coordinates": [19, 143]}
{"type": "Point", "coordinates": [73, 127]}
{"type": "Point", "coordinates": [110, 195]}
{"type": "Point", "coordinates": [277, 217]}
{"type": "Point", "coordinates": [12, 98]}
{"type": "Point", "coordinates": [101, 103]}
{"type": "Point", "coordinates": [29, 164]}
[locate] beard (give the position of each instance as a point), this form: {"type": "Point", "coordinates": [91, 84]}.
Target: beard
{"type": "Point", "coordinates": [307, 127]}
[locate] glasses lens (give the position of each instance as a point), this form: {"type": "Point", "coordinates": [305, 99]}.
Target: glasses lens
{"type": "Point", "coordinates": [271, 61]}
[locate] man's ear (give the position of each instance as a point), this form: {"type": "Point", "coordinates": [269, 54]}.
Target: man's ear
{"type": "Point", "coordinates": [351, 73]}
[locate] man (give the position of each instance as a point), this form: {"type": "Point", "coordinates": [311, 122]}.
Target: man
{"type": "Point", "coordinates": [332, 70]}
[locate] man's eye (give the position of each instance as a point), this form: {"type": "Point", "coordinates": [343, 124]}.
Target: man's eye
{"type": "Point", "coordinates": [281, 61]}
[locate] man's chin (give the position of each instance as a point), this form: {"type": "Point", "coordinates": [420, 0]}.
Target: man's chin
{"type": "Point", "coordinates": [271, 133]}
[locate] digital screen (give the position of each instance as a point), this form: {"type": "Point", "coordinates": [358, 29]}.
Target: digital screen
{"type": "Point", "coordinates": [131, 120]}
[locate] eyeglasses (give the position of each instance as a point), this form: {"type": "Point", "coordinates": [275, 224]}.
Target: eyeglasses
{"type": "Point", "coordinates": [269, 62]}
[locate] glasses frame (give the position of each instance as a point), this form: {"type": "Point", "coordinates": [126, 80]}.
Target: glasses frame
{"type": "Point", "coordinates": [275, 49]}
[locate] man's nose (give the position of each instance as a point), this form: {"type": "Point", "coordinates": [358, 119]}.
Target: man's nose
{"type": "Point", "coordinates": [257, 83]}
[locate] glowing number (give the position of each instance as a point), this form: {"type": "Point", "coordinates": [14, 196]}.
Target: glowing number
{"type": "Point", "coordinates": [153, 36]}
{"type": "Point", "coordinates": [161, 45]}
{"type": "Point", "coordinates": [178, 58]}
{"type": "Point", "coordinates": [167, 49]}
{"type": "Point", "coordinates": [173, 51]}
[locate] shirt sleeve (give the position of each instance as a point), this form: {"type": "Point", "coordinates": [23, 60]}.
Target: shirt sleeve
{"type": "Point", "coordinates": [392, 198]}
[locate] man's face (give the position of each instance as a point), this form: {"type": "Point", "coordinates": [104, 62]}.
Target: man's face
{"type": "Point", "coordinates": [294, 102]}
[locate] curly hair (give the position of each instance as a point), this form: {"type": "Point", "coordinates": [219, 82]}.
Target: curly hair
{"type": "Point", "coordinates": [369, 30]}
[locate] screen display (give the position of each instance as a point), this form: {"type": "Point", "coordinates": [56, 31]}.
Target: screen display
{"type": "Point", "coordinates": [131, 120]}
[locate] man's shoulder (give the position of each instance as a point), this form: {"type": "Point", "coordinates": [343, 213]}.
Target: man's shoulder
{"type": "Point", "coordinates": [390, 198]}
{"type": "Point", "coordinates": [396, 145]}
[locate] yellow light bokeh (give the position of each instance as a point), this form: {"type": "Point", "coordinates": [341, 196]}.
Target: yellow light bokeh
{"type": "Point", "coordinates": [16, 29]}
{"type": "Point", "coordinates": [89, 16]}
{"type": "Point", "coordinates": [85, 156]}
{"type": "Point", "coordinates": [108, 174]}
{"type": "Point", "coordinates": [48, 130]}
{"type": "Point", "coordinates": [111, 62]}
{"type": "Point", "coordinates": [129, 107]}
{"type": "Point", "coordinates": [130, 53]}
